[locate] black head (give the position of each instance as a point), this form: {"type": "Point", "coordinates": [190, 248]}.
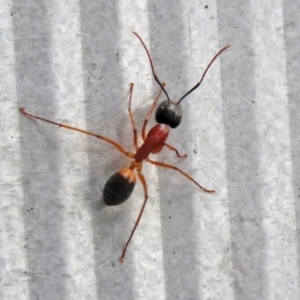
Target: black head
{"type": "Point", "coordinates": [169, 112]}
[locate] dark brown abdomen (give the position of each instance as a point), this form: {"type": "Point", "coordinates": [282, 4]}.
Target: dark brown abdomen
{"type": "Point", "coordinates": [119, 187]}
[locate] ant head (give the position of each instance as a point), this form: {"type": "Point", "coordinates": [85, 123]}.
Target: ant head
{"type": "Point", "coordinates": [169, 112]}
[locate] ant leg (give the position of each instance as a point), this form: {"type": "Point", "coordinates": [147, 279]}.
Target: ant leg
{"type": "Point", "coordinates": [132, 119]}
{"type": "Point", "coordinates": [176, 151]}
{"type": "Point", "coordinates": [160, 164]}
{"type": "Point", "coordinates": [144, 183]}
{"type": "Point", "coordinates": [150, 113]}
{"type": "Point", "coordinates": [116, 145]}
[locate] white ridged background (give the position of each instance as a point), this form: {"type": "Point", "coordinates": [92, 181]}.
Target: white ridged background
{"type": "Point", "coordinates": [72, 61]}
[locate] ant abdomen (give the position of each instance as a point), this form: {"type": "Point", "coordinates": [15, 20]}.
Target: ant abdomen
{"type": "Point", "coordinates": [119, 187]}
{"type": "Point", "coordinates": [169, 112]}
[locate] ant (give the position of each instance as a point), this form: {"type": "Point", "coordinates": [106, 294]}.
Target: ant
{"type": "Point", "coordinates": [120, 185]}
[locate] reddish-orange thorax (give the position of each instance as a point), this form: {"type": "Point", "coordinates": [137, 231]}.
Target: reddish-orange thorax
{"type": "Point", "coordinates": [154, 142]}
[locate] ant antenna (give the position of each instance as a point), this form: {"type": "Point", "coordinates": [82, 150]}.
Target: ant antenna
{"type": "Point", "coordinates": [151, 63]}
{"type": "Point", "coordinates": [223, 49]}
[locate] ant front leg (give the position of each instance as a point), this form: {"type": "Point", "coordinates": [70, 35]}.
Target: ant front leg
{"type": "Point", "coordinates": [176, 151]}
{"type": "Point", "coordinates": [132, 118]}
{"type": "Point", "coordinates": [150, 113]}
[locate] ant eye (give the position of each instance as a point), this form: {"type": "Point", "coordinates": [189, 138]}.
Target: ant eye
{"type": "Point", "coordinates": [169, 112]}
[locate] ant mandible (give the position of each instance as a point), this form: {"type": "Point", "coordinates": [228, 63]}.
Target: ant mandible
{"type": "Point", "coordinates": [120, 185]}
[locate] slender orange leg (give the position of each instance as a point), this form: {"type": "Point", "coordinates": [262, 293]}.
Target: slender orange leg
{"type": "Point", "coordinates": [160, 164]}
{"type": "Point", "coordinates": [144, 183]}
{"type": "Point", "coordinates": [176, 151]}
{"type": "Point", "coordinates": [116, 145]}
{"type": "Point", "coordinates": [150, 113]}
{"type": "Point", "coordinates": [131, 118]}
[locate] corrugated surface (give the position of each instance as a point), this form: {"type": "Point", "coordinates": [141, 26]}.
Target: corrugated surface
{"type": "Point", "coordinates": [73, 62]}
